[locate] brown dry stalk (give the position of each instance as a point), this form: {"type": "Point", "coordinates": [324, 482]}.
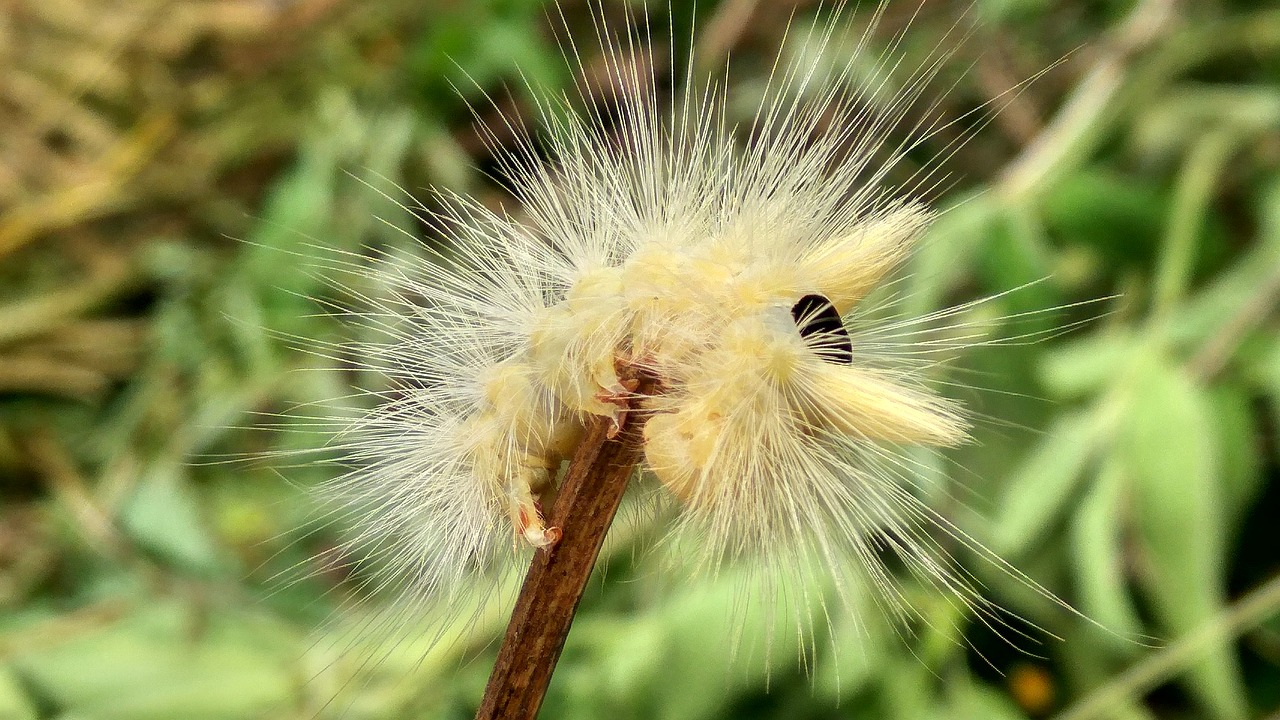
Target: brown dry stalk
{"type": "Point", "coordinates": [588, 499]}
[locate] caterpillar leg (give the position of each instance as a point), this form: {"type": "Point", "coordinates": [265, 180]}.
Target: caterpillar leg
{"type": "Point", "coordinates": [525, 512]}
{"type": "Point", "coordinates": [613, 400]}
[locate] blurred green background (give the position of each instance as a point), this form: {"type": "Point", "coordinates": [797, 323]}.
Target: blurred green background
{"type": "Point", "coordinates": [163, 162]}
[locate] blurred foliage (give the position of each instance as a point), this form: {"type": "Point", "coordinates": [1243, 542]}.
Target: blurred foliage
{"type": "Point", "coordinates": [1127, 460]}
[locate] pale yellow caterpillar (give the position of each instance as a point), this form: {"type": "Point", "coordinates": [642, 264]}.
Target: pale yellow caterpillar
{"type": "Point", "coordinates": [729, 263]}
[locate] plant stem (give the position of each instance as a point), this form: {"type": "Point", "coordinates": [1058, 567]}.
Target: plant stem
{"type": "Point", "coordinates": [1196, 188]}
{"type": "Point", "coordinates": [587, 502]}
{"type": "Point", "coordinates": [1081, 123]}
{"type": "Point", "coordinates": [1258, 606]}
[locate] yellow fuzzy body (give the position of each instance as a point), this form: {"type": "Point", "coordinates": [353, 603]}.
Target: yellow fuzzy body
{"type": "Point", "coordinates": [712, 319]}
{"type": "Point", "coordinates": [730, 263]}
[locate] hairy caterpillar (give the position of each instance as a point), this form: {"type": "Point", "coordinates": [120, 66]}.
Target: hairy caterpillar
{"type": "Point", "coordinates": [734, 265]}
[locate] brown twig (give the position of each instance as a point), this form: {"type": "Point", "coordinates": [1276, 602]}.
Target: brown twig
{"type": "Point", "coordinates": [104, 192]}
{"type": "Point", "coordinates": [44, 314]}
{"type": "Point", "coordinates": [72, 490]}
{"type": "Point", "coordinates": [584, 509]}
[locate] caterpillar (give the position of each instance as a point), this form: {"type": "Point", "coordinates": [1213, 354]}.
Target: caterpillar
{"type": "Point", "coordinates": [736, 266]}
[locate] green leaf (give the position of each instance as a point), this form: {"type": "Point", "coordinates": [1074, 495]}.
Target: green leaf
{"type": "Point", "coordinates": [1097, 555]}
{"type": "Point", "coordinates": [297, 212]}
{"type": "Point", "coordinates": [1238, 442]}
{"type": "Point", "coordinates": [164, 516]}
{"type": "Point", "coordinates": [1037, 494]}
{"type": "Point", "coordinates": [1231, 291]}
{"type": "Point", "coordinates": [908, 688]}
{"type": "Point", "coordinates": [858, 642]}
{"type": "Point", "coordinates": [946, 253]}
{"type": "Point", "coordinates": [975, 701]}
{"type": "Point", "coordinates": [1085, 366]}
{"type": "Point", "coordinates": [1018, 257]}
{"type": "Point", "coordinates": [1167, 446]}
{"type": "Point", "coordinates": [1119, 218]}
{"type": "Point", "coordinates": [1265, 373]}
{"type": "Point", "coordinates": [166, 662]}
{"type": "Point", "coordinates": [1091, 666]}
{"type": "Point", "coordinates": [14, 704]}
{"type": "Point", "coordinates": [998, 12]}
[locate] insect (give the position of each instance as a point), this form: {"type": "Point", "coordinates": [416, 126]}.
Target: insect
{"type": "Point", "coordinates": [740, 322]}
{"type": "Point", "coordinates": [732, 264]}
